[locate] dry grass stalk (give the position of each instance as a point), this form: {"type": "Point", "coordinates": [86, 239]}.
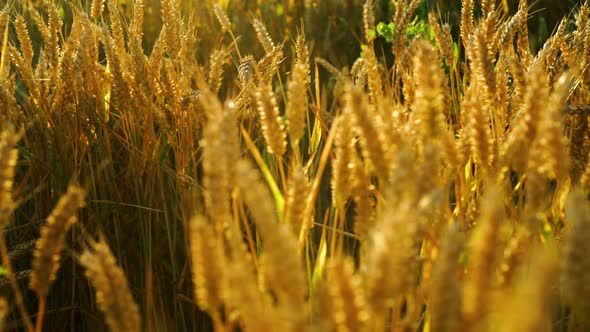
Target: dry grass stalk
{"type": "Point", "coordinates": [4, 310]}
{"type": "Point", "coordinates": [113, 295]}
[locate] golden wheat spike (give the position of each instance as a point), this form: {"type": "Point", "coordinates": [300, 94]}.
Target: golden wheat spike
{"type": "Point", "coordinates": [270, 121]}
{"type": "Point", "coordinates": [529, 304]}
{"type": "Point", "coordinates": [8, 159]}
{"type": "Point", "coordinates": [444, 305]}
{"type": "Point", "coordinates": [96, 9]}
{"type": "Point", "coordinates": [297, 102]}
{"type": "Point", "coordinates": [483, 259]}
{"type": "Point", "coordinates": [207, 265]}
{"type": "Point", "coordinates": [466, 20]}
{"type": "Point", "coordinates": [341, 297]}
{"type": "Point", "coordinates": [296, 201]}
{"type": "Point", "coordinates": [222, 17]}
{"type": "Point", "coordinates": [47, 258]}
{"type": "Point", "coordinates": [391, 250]}
{"type": "Point", "coordinates": [262, 35]}
{"type": "Point", "coordinates": [575, 259]}
{"type": "Point", "coordinates": [216, 61]}
{"type": "Point", "coordinates": [113, 295]}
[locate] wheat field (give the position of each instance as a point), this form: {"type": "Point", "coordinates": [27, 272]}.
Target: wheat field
{"type": "Point", "coordinates": [294, 165]}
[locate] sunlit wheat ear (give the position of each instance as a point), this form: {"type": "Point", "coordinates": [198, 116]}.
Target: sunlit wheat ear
{"type": "Point", "coordinates": [576, 259]}
{"type": "Point", "coordinates": [47, 257]}
{"type": "Point", "coordinates": [444, 41]}
{"type": "Point", "coordinates": [524, 126]}
{"type": "Point", "coordinates": [522, 40]}
{"type": "Point", "coordinates": [267, 67]}
{"type": "Point", "coordinates": [477, 129]}
{"type": "Point", "coordinates": [369, 20]}
{"type": "Point", "coordinates": [514, 256]}
{"type": "Point", "coordinates": [216, 61]}
{"type": "Point", "coordinates": [270, 121]}
{"type": "Point", "coordinates": [220, 150]}
{"type": "Point", "coordinates": [208, 261]}
{"type": "Point", "coordinates": [466, 20]}
{"type": "Point", "coordinates": [173, 25]}
{"type": "Point", "coordinates": [429, 106]}
{"type": "Point", "coordinates": [364, 202]}
{"type": "Point", "coordinates": [297, 102]}
{"type": "Point", "coordinates": [283, 270]}
{"type": "Point", "coordinates": [483, 258]}
{"type": "Point", "coordinates": [529, 306]}
{"type": "Point", "coordinates": [341, 297]}
{"type": "Point", "coordinates": [375, 148]}
{"type": "Point", "coordinates": [551, 144]}
{"type": "Point", "coordinates": [262, 35]}
{"type": "Point", "coordinates": [505, 36]}
{"type": "Point", "coordinates": [298, 191]}
{"type": "Point", "coordinates": [221, 17]}
{"type": "Point", "coordinates": [444, 305]}
{"type": "Point", "coordinates": [137, 23]}
{"type": "Point", "coordinates": [391, 250]}
{"type": "Point", "coordinates": [341, 165]}
{"type": "Point", "coordinates": [8, 159]}
{"type": "Point", "coordinates": [26, 46]}
{"type": "Point", "coordinates": [113, 295]}
{"type": "Point", "coordinates": [488, 7]}
{"type": "Point", "coordinates": [96, 9]}
{"type": "Point", "coordinates": [302, 53]}
{"type": "Point", "coordinates": [374, 77]}
{"type": "Point", "coordinates": [482, 67]}
{"type": "Point", "coordinates": [253, 308]}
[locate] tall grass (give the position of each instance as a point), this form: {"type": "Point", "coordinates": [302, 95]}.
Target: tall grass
{"type": "Point", "coordinates": [294, 166]}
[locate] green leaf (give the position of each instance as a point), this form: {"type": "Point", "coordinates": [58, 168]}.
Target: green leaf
{"type": "Point", "coordinates": [386, 31]}
{"type": "Point", "coordinates": [3, 271]}
{"type": "Point", "coordinates": [371, 33]}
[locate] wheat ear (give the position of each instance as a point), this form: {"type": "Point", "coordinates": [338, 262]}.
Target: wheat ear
{"type": "Point", "coordinates": [113, 295]}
